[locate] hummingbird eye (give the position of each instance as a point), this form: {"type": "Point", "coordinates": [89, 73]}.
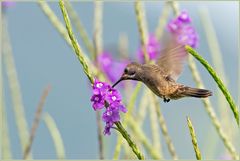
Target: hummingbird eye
{"type": "Point", "coordinates": [129, 71]}
{"type": "Point", "coordinates": [125, 70]}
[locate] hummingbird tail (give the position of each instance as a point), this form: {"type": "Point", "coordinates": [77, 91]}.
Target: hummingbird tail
{"type": "Point", "coordinates": [196, 92]}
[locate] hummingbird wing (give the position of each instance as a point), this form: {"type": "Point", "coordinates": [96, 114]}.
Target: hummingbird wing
{"type": "Point", "coordinates": [171, 60]}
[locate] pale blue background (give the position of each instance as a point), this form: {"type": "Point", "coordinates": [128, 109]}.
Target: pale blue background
{"type": "Point", "coordinates": [42, 57]}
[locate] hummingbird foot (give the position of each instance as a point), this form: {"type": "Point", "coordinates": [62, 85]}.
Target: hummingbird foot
{"type": "Point", "coordinates": [166, 99]}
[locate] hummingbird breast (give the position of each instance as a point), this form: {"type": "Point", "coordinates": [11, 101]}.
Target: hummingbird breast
{"type": "Point", "coordinates": [155, 79]}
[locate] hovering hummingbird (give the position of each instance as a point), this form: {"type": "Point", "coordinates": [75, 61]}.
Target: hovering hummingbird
{"type": "Point", "coordinates": [161, 77]}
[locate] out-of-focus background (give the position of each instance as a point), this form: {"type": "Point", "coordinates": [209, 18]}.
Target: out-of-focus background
{"type": "Point", "coordinates": [42, 57]}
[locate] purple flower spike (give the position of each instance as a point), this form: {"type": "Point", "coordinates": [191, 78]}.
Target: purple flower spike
{"type": "Point", "coordinates": [107, 128]}
{"type": "Point", "coordinates": [8, 3]}
{"type": "Point", "coordinates": [103, 94]}
{"type": "Point", "coordinates": [188, 36]}
{"type": "Point", "coordinates": [111, 115]}
{"type": "Point", "coordinates": [110, 66]}
{"type": "Point", "coordinates": [98, 102]}
{"type": "Point", "coordinates": [153, 48]}
{"type": "Point", "coordinates": [184, 17]}
{"type": "Point", "coordinates": [105, 60]}
{"type": "Point", "coordinates": [100, 87]}
{"type": "Point", "coordinates": [182, 31]}
{"type": "Point", "coordinates": [174, 25]}
{"type": "Point", "coordinates": [113, 96]}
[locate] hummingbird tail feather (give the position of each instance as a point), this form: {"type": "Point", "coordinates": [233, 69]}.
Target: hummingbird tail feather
{"type": "Point", "coordinates": [196, 92]}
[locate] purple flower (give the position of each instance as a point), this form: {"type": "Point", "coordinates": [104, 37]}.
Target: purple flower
{"type": "Point", "coordinates": [105, 61]}
{"type": "Point", "coordinates": [99, 93]}
{"type": "Point", "coordinates": [7, 3]}
{"type": "Point", "coordinates": [182, 31]}
{"type": "Point", "coordinates": [113, 96]}
{"type": "Point", "coordinates": [184, 17]}
{"type": "Point", "coordinates": [100, 87]}
{"type": "Point", "coordinates": [174, 25]}
{"type": "Point", "coordinates": [116, 70]}
{"type": "Point", "coordinates": [153, 48]}
{"type": "Point", "coordinates": [110, 66]}
{"type": "Point", "coordinates": [98, 101]}
{"type": "Point", "coordinates": [111, 115]}
{"type": "Point", "coordinates": [188, 36]}
{"type": "Point", "coordinates": [103, 95]}
{"type": "Point", "coordinates": [107, 128]}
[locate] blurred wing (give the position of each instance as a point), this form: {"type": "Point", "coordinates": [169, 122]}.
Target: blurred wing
{"type": "Point", "coordinates": [171, 60]}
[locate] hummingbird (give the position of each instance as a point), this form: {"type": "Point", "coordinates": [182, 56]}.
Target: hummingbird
{"type": "Point", "coordinates": [161, 77]}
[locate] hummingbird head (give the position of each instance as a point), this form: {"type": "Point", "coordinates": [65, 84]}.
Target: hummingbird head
{"type": "Point", "coordinates": [131, 72]}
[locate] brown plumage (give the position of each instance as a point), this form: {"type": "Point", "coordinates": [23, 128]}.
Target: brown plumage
{"type": "Point", "coordinates": [161, 77]}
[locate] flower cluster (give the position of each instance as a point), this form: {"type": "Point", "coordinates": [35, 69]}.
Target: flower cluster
{"type": "Point", "coordinates": [105, 96]}
{"type": "Point", "coordinates": [110, 66]}
{"type": "Point", "coordinates": [7, 3]}
{"type": "Point", "coordinates": [180, 27]}
{"type": "Point", "coordinates": [153, 49]}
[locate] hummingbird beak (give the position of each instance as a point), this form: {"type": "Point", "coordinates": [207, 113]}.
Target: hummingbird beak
{"type": "Point", "coordinates": [123, 77]}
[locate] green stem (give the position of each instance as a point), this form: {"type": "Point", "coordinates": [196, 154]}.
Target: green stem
{"type": "Point", "coordinates": [98, 43]}
{"type": "Point", "coordinates": [154, 126]}
{"type": "Point", "coordinates": [15, 90]}
{"type": "Point", "coordinates": [61, 29]}
{"type": "Point", "coordinates": [4, 132]}
{"type": "Point", "coordinates": [139, 134]}
{"type": "Point", "coordinates": [79, 26]}
{"type": "Point", "coordinates": [56, 136]}
{"type": "Point", "coordinates": [218, 64]}
{"type": "Point", "coordinates": [36, 121]}
{"type": "Point", "coordinates": [98, 11]}
{"type": "Point", "coordinates": [162, 21]}
{"type": "Point", "coordinates": [79, 54]}
{"type": "Point", "coordinates": [78, 50]}
{"type": "Point", "coordinates": [194, 139]}
{"type": "Point", "coordinates": [217, 80]}
{"type": "Point", "coordinates": [165, 130]}
{"type": "Point", "coordinates": [210, 110]}
{"type": "Point", "coordinates": [127, 137]}
{"type": "Point", "coordinates": [130, 107]}
{"type": "Point", "coordinates": [5, 141]}
{"type": "Point", "coordinates": [142, 27]}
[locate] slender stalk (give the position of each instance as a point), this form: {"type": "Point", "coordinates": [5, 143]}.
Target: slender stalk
{"type": "Point", "coordinates": [118, 148]}
{"type": "Point", "coordinates": [18, 107]}
{"type": "Point", "coordinates": [130, 142]}
{"type": "Point", "coordinates": [4, 133]}
{"type": "Point", "coordinates": [154, 127]}
{"type": "Point", "coordinates": [165, 130]}
{"type": "Point", "coordinates": [100, 135]}
{"type": "Point", "coordinates": [207, 103]}
{"type": "Point", "coordinates": [130, 107]}
{"type": "Point", "coordinates": [77, 49]}
{"type": "Point", "coordinates": [194, 139]}
{"type": "Point", "coordinates": [139, 134]}
{"type": "Point", "coordinates": [218, 64]}
{"type": "Point", "coordinates": [78, 52]}
{"type": "Point", "coordinates": [61, 29]}
{"type": "Point", "coordinates": [123, 45]}
{"type": "Point", "coordinates": [142, 112]}
{"type": "Point", "coordinates": [97, 50]}
{"type": "Point", "coordinates": [141, 21]}
{"type": "Point", "coordinates": [79, 26]}
{"type": "Point", "coordinates": [174, 6]}
{"type": "Point", "coordinates": [162, 21]}
{"type": "Point", "coordinates": [36, 121]}
{"type": "Point", "coordinates": [210, 110]}
{"type": "Point", "coordinates": [56, 136]}
{"type": "Point", "coordinates": [5, 141]}
{"type": "Point", "coordinates": [98, 27]}
{"type": "Point", "coordinates": [219, 82]}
